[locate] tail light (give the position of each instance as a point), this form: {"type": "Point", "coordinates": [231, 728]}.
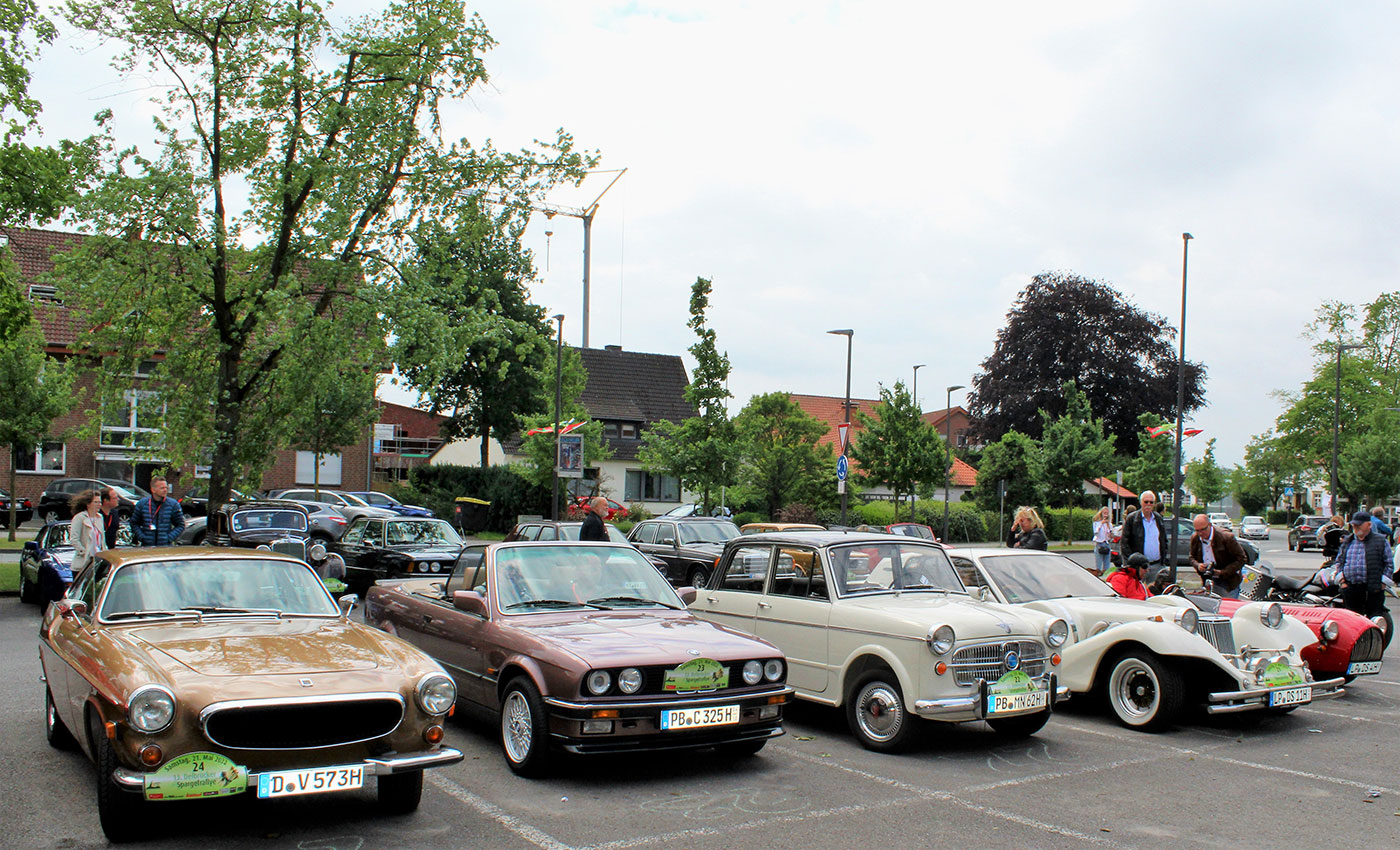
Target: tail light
{"type": "Point", "coordinates": [27, 504]}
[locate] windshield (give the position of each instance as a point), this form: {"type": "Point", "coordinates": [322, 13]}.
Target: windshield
{"type": "Point", "coordinates": [571, 532]}
{"type": "Point", "coordinates": [707, 532]}
{"type": "Point", "coordinates": [1026, 578]}
{"type": "Point", "coordinates": [58, 536]}
{"type": "Point", "coordinates": [921, 531]}
{"type": "Point", "coordinates": [269, 520]}
{"type": "Point", "coordinates": [125, 493]}
{"type": "Point", "coordinates": [212, 586]}
{"type": "Point", "coordinates": [882, 567]}
{"type": "Point", "coordinates": [1252, 520]}
{"type": "Point", "coordinates": [530, 579]}
{"type": "Point", "coordinates": [419, 532]}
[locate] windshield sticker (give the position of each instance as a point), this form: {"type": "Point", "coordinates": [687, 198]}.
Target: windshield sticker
{"type": "Point", "coordinates": [699, 674]}
{"type": "Point", "coordinates": [195, 775]}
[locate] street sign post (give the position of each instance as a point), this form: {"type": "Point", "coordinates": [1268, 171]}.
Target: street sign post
{"type": "Point", "coordinates": [841, 431]}
{"type": "Point", "coordinates": [842, 467]}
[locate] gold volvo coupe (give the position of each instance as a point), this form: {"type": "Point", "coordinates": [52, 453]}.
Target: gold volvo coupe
{"type": "Point", "coordinates": [189, 673]}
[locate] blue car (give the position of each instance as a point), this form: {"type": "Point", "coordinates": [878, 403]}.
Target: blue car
{"type": "Point", "coordinates": [384, 500]}
{"type": "Point", "coordinates": [46, 564]}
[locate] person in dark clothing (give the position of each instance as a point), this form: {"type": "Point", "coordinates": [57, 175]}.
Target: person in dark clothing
{"type": "Point", "coordinates": [110, 520]}
{"type": "Point", "coordinates": [1331, 535]}
{"type": "Point", "coordinates": [157, 519]}
{"type": "Point", "coordinates": [1145, 533]}
{"type": "Point", "coordinates": [1027, 531]}
{"type": "Point", "coordinates": [1363, 558]}
{"type": "Point", "coordinates": [593, 528]}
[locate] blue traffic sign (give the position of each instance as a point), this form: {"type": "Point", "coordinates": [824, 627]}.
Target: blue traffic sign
{"type": "Point", "coordinates": [841, 466]}
{"type": "Point", "coordinates": [1288, 491]}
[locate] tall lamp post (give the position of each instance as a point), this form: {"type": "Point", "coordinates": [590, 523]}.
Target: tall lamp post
{"type": "Point", "coordinates": [948, 454]}
{"type": "Point", "coordinates": [914, 496]}
{"type": "Point", "coordinates": [558, 407]}
{"type": "Point", "coordinates": [1180, 411]}
{"type": "Point", "coordinates": [1337, 419]}
{"type": "Point", "coordinates": [849, 335]}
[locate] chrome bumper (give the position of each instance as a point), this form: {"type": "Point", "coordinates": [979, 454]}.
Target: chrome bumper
{"type": "Point", "coordinates": [975, 707]}
{"type": "Point", "coordinates": [133, 780]}
{"type": "Point", "coordinates": [1228, 702]}
{"type": "Point", "coordinates": [658, 703]}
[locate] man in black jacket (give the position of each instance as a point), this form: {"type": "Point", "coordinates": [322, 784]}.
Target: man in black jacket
{"type": "Point", "coordinates": [593, 528]}
{"type": "Point", "coordinates": [1145, 533]}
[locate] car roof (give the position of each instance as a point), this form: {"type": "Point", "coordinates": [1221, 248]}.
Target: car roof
{"type": "Point", "coordinates": [267, 504]}
{"type": "Point", "coordinates": [828, 538]}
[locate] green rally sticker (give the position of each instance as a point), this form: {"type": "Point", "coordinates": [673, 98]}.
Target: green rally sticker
{"type": "Point", "coordinates": [1014, 682]}
{"type": "Point", "coordinates": [196, 775]}
{"type": "Point", "coordinates": [699, 674]}
{"type": "Point", "coordinates": [1281, 674]}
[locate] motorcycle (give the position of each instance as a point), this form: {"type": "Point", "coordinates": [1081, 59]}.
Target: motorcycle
{"type": "Point", "coordinates": [1321, 588]}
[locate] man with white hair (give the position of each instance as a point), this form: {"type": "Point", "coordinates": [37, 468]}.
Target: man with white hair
{"type": "Point", "coordinates": [1145, 533]}
{"type": "Point", "coordinates": [593, 528]}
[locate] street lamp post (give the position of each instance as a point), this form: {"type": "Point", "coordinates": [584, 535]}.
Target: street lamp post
{"type": "Point", "coordinates": [1337, 419]}
{"type": "Point", "coordinates": [948, 454]}
{"type": "Point", "coordinates": [558, 408]}
{"type": "Point", "coordinates": [849, 334]}
{"type": "Point", "coordinates": [1180, 412]}
{"type": "Point", "coordinates": [914, 391]}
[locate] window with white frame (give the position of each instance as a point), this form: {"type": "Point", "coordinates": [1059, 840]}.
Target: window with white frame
{"type": "Point", "coordinates": [135, 422]}
{"type": "Point", "coordinates": [646, 486]}
{"type": "Point", "coordinates": [49, 457]}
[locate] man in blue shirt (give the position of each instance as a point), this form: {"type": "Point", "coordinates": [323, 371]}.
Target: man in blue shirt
{"type": "Point", "coordinates": [1363, 558]}
{"type": "Point", "coordinates": [1144, 532]}
{"type": "Point", "coordinates": [1378, 525]}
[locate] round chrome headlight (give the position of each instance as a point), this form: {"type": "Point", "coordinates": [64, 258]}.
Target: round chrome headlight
{"type": "Point", "coordinates": [317, 551]}
{"type": "Point", "coordinates": [435, 567]}
{"type": "Point", "coordinates": [630, 680]}
{"type": "Point", "coordinates": [263, 547]}
{"type": "Point", "coordinates": [772, 669]}
{"type": "Point", "coordinates": [599, 681]}
{"type": "Point", "coordinates": [1188, 619]}
{"type": "Point", "coordinates": [1330, 631]}
{"type": "Point", "coordinates": [436, 692]}
{"type": "Point", "coordinates": [941, 640]}
{"type": "Point", "coordinates": [150, 709]}
{"type": "Point", "coordinates": [1272, 615]}
{"type": "Point", "coordinates": [1057, 633]}
{"type": "Point", "coordinates": [753, 672]}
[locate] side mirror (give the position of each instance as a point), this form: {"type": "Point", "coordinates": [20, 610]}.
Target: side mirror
{"type": "Point", "coordinates": [469, 601]}
{"type": "Point", "coordinates": [30, 545]}
{"type": "Point", "coordinates": [687, 594]}
{"type": "Point", "coordinates": [70, 609]}
{"type": "Point", "coordinates": [983, 593]}
{"type": "Point", "coordinates": [347, 604]}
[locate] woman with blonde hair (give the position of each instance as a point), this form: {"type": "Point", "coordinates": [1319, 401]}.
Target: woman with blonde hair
{"type": "Point", "coordinates": [1103, 527]}
{"type": "Point", "coordinates": [1027, 530]}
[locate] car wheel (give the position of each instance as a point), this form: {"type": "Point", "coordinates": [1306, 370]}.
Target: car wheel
{"type": "Point", "coordinates": [741, 749]}
{"type": "Point", "coordinates": [876, 714]}
{"type": "Point", "coordinates": [119, 811]}
{"type": "Point", "coordinates": [48, 515]}
{"type": "Point", "coordinates": [54, 730]}
{"type": "Point", "coordinates": [524, 729]}
{"type": "Point", "coordinates": [1022, 726]}
{"type": "Point", "coordinates": [1143, 692]}
{"type": "Point", "coordinates": [400, 793]}
{"type": "Point", "coordinates": [28, 593]}
{"type": "Point", "coordinates": [1388, 624]}
{"type": "Point", "coordinates": [697, 576]}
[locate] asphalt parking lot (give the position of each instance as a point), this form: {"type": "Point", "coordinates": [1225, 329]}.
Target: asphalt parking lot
{"type": "Point", "coordinates": [1326, 775]}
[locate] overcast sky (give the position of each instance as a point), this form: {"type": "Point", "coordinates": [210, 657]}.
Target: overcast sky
{"type": "Point", "coordinates": [903, 169]}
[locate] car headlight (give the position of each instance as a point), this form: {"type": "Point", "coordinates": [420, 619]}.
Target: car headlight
{"type": "Point", "coordinates": [753, 672]}
{"type": "Point", "coordinates": [941, 640]}
{"type": "Point", "coordinates": [1057, 633]}
{"type": "Point", "coordinates": [1188, 619]}
{"type": "Point", "coordinates": [436, 692]}
{"type": "Point", "coordinates": [599, 681]}
{"type": "Point", "coordinates": [772, 669]}
{"type": "Point", "coordinates": [630, 680]}
{"type": "Point", "coordinates": [1330, 631]}
{"type": "Point", "coordinates": [263, 547]}
{"type": "Point", "coordinates": [435, 567]}
{"type": "Point", "coordinates": [151, 709]}
{"type": "Point", "coordinates": [1272, 615]}
{"type": "Point", "coordinates": [317, 551]}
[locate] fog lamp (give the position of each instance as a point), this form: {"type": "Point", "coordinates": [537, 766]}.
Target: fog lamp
{"type": "Point", "coordinates": [433, 734]}
{"type": "Point", "coordinates": [151, 755]}
{"type": "Point", "coordinates": [767, 712]}
{"type": "Point", "coordinates": [597, 727]}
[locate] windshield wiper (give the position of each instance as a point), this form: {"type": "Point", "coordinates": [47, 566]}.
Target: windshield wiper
{"type": "Point", "coordinates": [924, 587]}
{"type": "Point", "coordinates": [201, 610]}
{"type": "Point", "coordinates": [550, 603]}
{"type": "Point", "coordinates": [131, 615]}
{"type": "Point", "coordinates": [633, 599]}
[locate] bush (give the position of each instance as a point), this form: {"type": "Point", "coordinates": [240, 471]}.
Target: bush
{"type": "Point", "coordinates": [878, 514]}
{"type": "Point", "coordinates": [828, 516]}
{"type": "Point", "coordinates": [747, 517]}
{"type": "Point", "coordinates": [638, 512]}
{"type": "Point", "coordinates": [797, 512]}
{"type": "Point", "coordinates": [966, 521]}
{"type": "Point", "coordinates": [1056, 520]}
{"type": "Point", "coordinates": [510, 493]}
{"type": "Point", "coordinates": [1279, 517]}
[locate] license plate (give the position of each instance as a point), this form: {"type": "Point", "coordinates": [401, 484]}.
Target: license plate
{"type": "Point", "coordinates": [1360, 668]}
{"type": "Point", "coordinates": [692, 718]}
{"type": "Point", "coordinates": [1003, 703]}
{"type": "Point", "coordinates": [1292, 696]}
{"type": "Point", "coordinates": [318, 780]}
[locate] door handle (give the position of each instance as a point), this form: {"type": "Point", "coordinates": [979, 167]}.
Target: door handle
{"type": "Point", "coordinates": [764, 605]}
{"type": "Point", "coordinates": [711, 599]}
{"type": "Point", "coordinates": [427, 618]}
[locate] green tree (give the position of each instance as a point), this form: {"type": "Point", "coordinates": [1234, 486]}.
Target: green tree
{"type": "Point", "coordinates": [335, 407]}
{"type": "Point", "coordinates": [1251, 493]}
{"type": "Point", "coordinates": [297, 155]}
{"type": "Point", "coordinates": [1205, 477]}
{"type": "Point", "coordinates": [1076, 450]}
{"type": "Point", "coordinates": [1151, 467]}
{"type": "Point", "coordinates": [539, 448]}
{"type": "Point", "coordinates": [780, 459]}
{"type": "Point", "coordinates": [1016, 459]}
{"type": "Point", "coordinates": [1370, 465]}
{"type": "Point", "coordinates": [896, 448]}
{"type": "Point", "coordinates": [700, 451]}
{"type": "Point", "coordinates": [1271, 465]}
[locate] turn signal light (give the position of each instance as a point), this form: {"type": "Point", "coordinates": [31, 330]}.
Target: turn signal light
{"type": "Point", "coordinates": [940, 668]}
{"type": "Point", "coordinates": [151, 755]}
{"type": "Point", "coordinates": [606, 712]}
{"type": "Point", "coordinates": [433, 734]}
{"type": "Point", "coordinates": [111, 730]}
{"type": "Point", "coordinates": [1055, 659]}
{"type": "Point", "coordinates": [777, 700]}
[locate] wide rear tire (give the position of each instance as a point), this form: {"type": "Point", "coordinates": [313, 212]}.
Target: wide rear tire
{"type": "Point", "coordinates": [524, 728]}
{"type": "Point", "coordinates": [876, 714]}
{"type": "Point", "coordinates": [1142, 692]}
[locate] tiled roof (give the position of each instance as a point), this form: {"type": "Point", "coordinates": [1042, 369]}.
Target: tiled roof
{"type": "Point", "coordinates": [1108, 486]}
{"type": "Point", "coordinates": [832, 411]}
{"type": "Point", "coordinates": [963, 473]}
{"type": "Point", "coordinates": [33, 252]}
{"type": "Point", "coordinates": [936, 418]}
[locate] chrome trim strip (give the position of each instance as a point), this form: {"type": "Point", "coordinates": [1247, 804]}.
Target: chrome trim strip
{"type": "Point", "coordinates": [1229, 702]}
{"type": "Point", "coordinates": [131, 780]}
{"type": "Point", "coordinates": [214, 708]}
{"type": "Point", "coordinates": [664, 704]}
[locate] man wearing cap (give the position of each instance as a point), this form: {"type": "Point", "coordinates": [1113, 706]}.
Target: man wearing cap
{"type": "Point", "coordinates": [1145, 533]}
{"type": "Point", "coordinates": [1217, 557]}
{"type": "Point", "coordinates": [1363, 558]}
{"type": "Point", "coordinates": [1127, 582]}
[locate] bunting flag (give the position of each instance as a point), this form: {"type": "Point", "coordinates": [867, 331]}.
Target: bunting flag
{"type": "Point", "coordinates": [1166, 429]}
{"type": "Point", "coordinates": [549, 429]}
{"type": "Point", "coordinates": [1191, 432]}
{"type": "Point", "coordinates": [1159, 430]}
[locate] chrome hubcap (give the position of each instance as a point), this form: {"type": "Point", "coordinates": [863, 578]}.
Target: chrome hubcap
{"type": "Point", "coordinates": [517, 728]}
{"type": "Point", "coordinates": [1134, 688]}
{"type": "Point", "coordinates": [879, 711]}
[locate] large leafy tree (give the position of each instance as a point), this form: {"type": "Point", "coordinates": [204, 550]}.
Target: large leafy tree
{"type": "Point", "coordinates": [1370, 466]}
{"type": "Point", "coordinates": [335, 405]}
{"type": "Point", "coordinates": [780, 459]}
{"type": "Point", "coordinates": [1017, 460]}
{"type": "Point", "coordinates": [1075, 450]}
{"type": "Point", "coordinates": [1205, 477]}
{"type": "Point", "coordinates": [700, 451]}
{"type": "Point", "coordinates": [1271, 464]}
{"type": "Point", "coordinates": [897, 448]}
{"type": "Point", "coordinates": [296, 155]}
{"type": "Point", "coordinates": [1064, 327]}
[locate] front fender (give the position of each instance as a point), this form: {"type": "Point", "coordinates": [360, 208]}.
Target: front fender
{"type": "Point", "coordinates": [1250, 630]}
{"type": "Point", "coordinates": [908, 682]}
{"type": "Point", "coordinates": [1080, 661]}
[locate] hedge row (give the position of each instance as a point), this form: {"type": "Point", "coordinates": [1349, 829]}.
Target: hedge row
{"type": "Point", "coordinates": [437, 486]}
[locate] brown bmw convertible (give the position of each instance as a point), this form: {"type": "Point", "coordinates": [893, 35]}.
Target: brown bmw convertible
{"type": "Point", "coordinates": [195, 673]}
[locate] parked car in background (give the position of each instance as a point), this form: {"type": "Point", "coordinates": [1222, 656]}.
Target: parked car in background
{"type": "Point", "coordinates": [1254, 528]}
{"type": "Point", "coordinates": [327, 524]}
{"type": "Point", "coordinates": [195, 502]}
{"type": "Point", "coordinates": [276, 526]}
{"type": "Point", "coordinates": [548, 529]}
{"type": "Point", "coordinates": [762, 527]}
{"type": "Point", "coordinates": [194, 673]}
{"type": "Point", "coordinates": [54, 501]}
{"type": "Point", "coordinates": [1184, 530]}
{"type": "Point", "coordinates": [881, 627]}
{"type": "Point", "coordinates": [375, 548]}
{"type": "Point", "coordinates": [51, 551]}
{"type": "Point", "coordinates": [384, 500]}
{"type": "Point", "coordinates": [1303, 532]}
{"type": "Point", "coordinates": [688, 546]}
{"type": "Point", "coordinates": [24, 510]}
{"type": "Point", "coordinates": [911, 529]}
{"type": "Point", "coordinates": [584, 648]}
{"type": "Point", "coordinates": [1221, 520]}
{"type": "Point", "coordinates": [352, 506]}
{"type": "Point", "coordinates": [616, 510]}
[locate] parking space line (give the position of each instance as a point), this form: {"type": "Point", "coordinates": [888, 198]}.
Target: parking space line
{"type": "Point", "coordinates": [1336, 780]}
{"type": "Point", "coordinates": [1036, 777]}
{"type": "Point", "coordinates": [709, 831]}
{"type": "Point", "coordinates": [531, 834]}
{"type": "Point", "coordinates": [1340, 716]}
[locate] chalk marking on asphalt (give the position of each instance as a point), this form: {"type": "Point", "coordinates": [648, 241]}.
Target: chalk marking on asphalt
{"type": "Point", "coordinates": [708, 831]}
{"type": "Point", "coordinates": [1083, 771]}
{"type": "Point", "coordinates": [949, 797]}
{"type": "Point", "coordinates": [1303, 774]}
{"type": "Point", "coordinates": [1346, 716]}
{"type": "Point", "coordinates": [535, 836]}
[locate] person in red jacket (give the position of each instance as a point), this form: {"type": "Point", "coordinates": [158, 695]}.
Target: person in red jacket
{"type": "Point", "coordinates": [1127, 582]}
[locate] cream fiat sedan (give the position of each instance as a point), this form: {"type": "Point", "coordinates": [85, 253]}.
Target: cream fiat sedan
{"type": "Point", "coordinates": [880, 626]}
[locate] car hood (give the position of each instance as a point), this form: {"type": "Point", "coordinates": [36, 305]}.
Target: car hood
{"type": "Point", "coordinates": [970, 620]}
{"type": "Point", "coordinates": [444, 552]}
{"type": "Point", "coordinates": [610, 638]}
{"type": "Point", "coordinates": [244, 646]}
{"type": "Point", "coordinates": [1085, 611]}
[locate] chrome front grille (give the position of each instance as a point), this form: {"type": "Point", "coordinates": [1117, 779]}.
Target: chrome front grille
{"type": "Point", "coordinates": [1369, 646]}
{"type": "Point", "coordinates": [290, 546]}
{"type": "Point", "coordinates": [1218, 631]}
{"type": "Point", "coordinates": [988, 660]}
{"type": "Point", "coordinates": [299, 724]}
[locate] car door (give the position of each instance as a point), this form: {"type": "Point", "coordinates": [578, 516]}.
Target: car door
{"type": "Point", "coordinates": [80, 642]}
{"type": "Point", "coordinates": [356, 547]}
{"type": "Point", "coordinates": [794, 613]}
{"type": "Point", "coordinates": [733, 596]}
{"type": "Point", "coordinates": [453, 636]}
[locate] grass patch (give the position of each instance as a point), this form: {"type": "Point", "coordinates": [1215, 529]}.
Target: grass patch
{"type": "Point", "coordinates": [1071, 547]}
{"type": "Point", "coordinates": [9, 578]}
{"type": "Point", "coordinates": [16, 544]}
{"type": "Point", "coordinates": [487, 536]}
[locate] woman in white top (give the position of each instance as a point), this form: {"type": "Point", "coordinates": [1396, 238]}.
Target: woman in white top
{"type": "Point", "coordinates": [86, 533]}
{"type": "Point", "coordinates": [1103, 525]}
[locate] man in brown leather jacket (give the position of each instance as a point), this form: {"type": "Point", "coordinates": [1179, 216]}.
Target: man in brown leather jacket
{"type": "Point", "coordinates": [1217, 556]}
